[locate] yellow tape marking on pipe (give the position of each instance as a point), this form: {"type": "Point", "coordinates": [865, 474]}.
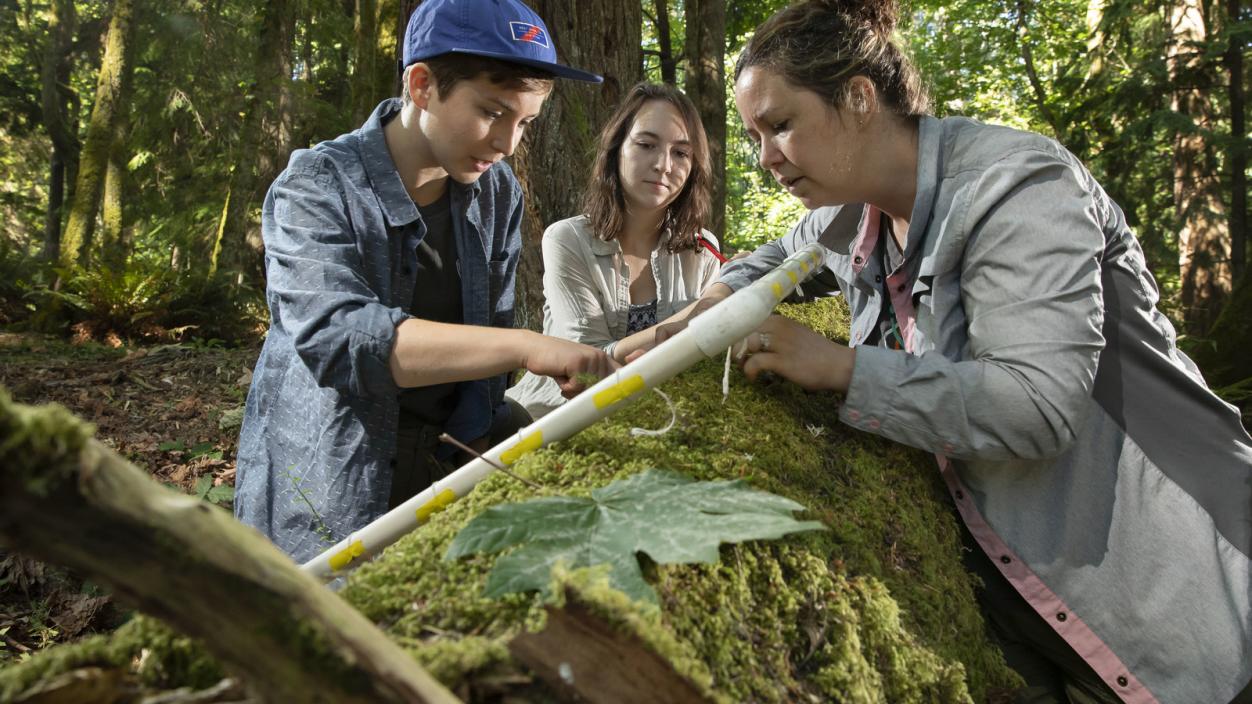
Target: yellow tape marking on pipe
{"type": "Point", "coordinates": [345, 557]}
{"type": "Point", "coordinates": [778, 294]}
{"type": "Point", "coordinates": [619, 392]}
{"type": "Point", "coordinates": [528, 444]}
{"type": "Point", "coordinates": [435, 505]}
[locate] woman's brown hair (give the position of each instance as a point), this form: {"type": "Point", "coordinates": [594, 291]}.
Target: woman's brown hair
{"type": "Point", "coordinates": [604, 201]}
{"type": "Point", "coordinates": [821, 44]}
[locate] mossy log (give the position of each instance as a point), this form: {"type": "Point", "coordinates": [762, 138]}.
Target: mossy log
{"type": "Point", "coordinates": [877, 609]}
{"type": "Point", "coordinates": [66, 498]}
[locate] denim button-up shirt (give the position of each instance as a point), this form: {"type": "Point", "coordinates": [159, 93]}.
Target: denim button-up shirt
{"type": "Point", "coordinates": [1109, 486]}
{"type": "Point", "coordinates": [340, 237]}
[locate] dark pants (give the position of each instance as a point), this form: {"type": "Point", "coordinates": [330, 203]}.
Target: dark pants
{"type": "Point", "coordinates": [1054, 673]}
{"type": "Point", "coordinates": [417, 466]}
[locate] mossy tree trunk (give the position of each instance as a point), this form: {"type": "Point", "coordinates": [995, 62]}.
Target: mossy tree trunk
{"type": "Point", "coordinates": [115, 248]}
{"type": "Point", "coordinates": [67, 499]}
{"type": "Point", "coordinates": [555, 158]}
{"type": "Point", "coordinates": [107, 117]}
{"type": "Point", "coordinates": [706, 84]}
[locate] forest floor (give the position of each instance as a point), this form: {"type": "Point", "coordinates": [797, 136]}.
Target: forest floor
{"type": "Point", "coordinates": [172, 410]}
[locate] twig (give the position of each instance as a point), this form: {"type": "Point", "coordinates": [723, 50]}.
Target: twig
{"type": "Point", "coordinates": [444, 437]}
{"type": "Point", "coordinates": [13, 643]}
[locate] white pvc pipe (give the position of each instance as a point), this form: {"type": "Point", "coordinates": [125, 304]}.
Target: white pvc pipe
{"type": "Point", "coordinates": [709, 334]}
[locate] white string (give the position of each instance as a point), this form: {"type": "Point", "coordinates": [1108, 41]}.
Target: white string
{"type": "Point", "coordinates": [673, 417]}
{"type": "Point", "coordinates": [743, 347]}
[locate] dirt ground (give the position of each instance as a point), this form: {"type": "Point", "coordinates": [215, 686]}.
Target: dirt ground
{"type": "Point", "coordinates": [172, 410]}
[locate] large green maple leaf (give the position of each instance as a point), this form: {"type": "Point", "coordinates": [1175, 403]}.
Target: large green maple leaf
{"type": "Point", "coordinates": [669, 516]}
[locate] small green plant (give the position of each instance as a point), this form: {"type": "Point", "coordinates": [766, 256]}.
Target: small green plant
{"type": "Point", "coordinates": [200, 449]}
{"type": "Point", "coordinates": [324, 532]}
{"type": "Point", "coordinates": [222, 495]}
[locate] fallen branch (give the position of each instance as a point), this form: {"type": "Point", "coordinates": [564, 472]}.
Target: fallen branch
{"type": "Point", "coordinates": [67, 499]}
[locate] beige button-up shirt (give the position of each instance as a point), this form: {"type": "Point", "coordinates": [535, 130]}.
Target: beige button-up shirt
{"type": "Point", "coordinates": [586, 289]}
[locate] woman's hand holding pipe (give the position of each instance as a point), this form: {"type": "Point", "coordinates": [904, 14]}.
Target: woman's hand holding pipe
{"type": "Point", "coordinates": [796, 353]}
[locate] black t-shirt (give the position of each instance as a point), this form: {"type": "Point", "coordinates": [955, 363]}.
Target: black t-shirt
{"type": "Point", "coordinates": [436, 297]}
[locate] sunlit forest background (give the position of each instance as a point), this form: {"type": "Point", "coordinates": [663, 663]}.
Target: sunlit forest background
{"type": "Point", "coordinates": [138, 138]}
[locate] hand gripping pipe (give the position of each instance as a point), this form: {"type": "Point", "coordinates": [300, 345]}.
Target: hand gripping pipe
{"type": "Point", "coordinates": [709, 334]}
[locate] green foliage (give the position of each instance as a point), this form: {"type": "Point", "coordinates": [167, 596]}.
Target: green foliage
{"type": "Point", "coordinates": [669, 517]}
{"type": "Point", "coordinates": [221, 495]}
{"type": "Point", "coordinates": [758, 209]}
{"type": "Point", "coordinates": [157, 657]}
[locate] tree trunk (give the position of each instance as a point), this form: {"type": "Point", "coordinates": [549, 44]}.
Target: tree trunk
{"type": "Point", "coordinates": [402, 22]}
{"type": "Point", "coordinates": [1203, 235]}
{"type": "Point", "coordinates": [554, 160]}
{"type": "Point", "coordinates": [115, 249]}
{"type": "Point", "coordinates": [55, 98]}
{"type": "Point", "coordinates": [264, 143]}
{"type": "Point", "coordinates": [668, 63]}
{"type": "Point", "coordinates": [67, 499]}
{"type": "Point", "coordinates": [106, 114]}
{"type": "Point", "coordinates": [706, 84]}
{"type": "Point", "coordinates": [1239, 154]}
{"type": "Point", "coordinates": [364, 59]}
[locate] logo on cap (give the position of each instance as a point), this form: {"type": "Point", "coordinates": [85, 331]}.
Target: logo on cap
{"type": "Point", "coordinates": [527, 32]}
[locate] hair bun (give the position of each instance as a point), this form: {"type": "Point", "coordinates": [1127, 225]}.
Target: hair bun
{"type": "Point", "coordinates": [879, 15]}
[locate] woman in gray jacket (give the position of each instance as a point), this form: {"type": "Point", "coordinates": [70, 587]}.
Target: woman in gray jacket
{"type": "Point", "coordinates": [1003, 318]}
{"type": "Point", "coordinates": [639, 255]}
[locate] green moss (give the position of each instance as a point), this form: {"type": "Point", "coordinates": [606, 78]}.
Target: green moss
{"type": "Point", "coordinates": [150, 652]}
{"type": "Point", "coordinates": [40, 444]}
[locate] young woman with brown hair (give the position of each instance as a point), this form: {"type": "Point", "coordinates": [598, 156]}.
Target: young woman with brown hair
{"type": "Point", "coordinates": [639, 255]}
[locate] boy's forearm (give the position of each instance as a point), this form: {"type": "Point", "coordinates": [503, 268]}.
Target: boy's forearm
{"type": "Point", "coordinates": [427, 353]}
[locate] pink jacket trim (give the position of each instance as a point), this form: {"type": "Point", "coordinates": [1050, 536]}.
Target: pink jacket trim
{"type": "Point", "coordinates": [1047, 604]}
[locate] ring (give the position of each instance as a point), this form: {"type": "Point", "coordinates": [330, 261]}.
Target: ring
{"type": "Point", "coordinates": [764, 341]}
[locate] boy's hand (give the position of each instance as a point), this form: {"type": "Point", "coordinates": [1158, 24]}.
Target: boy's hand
{"type": "Point", "coordinates": [564, 361]}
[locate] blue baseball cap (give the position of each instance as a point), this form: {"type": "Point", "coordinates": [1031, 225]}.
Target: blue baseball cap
{"type": "Point", "coordinates": [499, 29]}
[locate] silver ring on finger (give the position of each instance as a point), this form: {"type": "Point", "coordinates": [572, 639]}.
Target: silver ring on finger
{"type": "Point", "coordinates": [764, 341]}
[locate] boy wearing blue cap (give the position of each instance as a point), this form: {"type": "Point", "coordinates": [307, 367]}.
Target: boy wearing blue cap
{"type": "Point", "coordinates": [391, 255]}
